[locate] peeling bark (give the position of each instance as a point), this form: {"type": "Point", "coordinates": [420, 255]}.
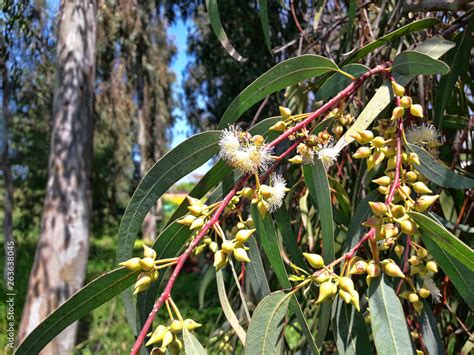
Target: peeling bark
{"type": "Point", "coordinates": [62, 250]}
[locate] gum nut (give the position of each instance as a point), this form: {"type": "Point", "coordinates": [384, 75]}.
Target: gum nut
{"type": "Point", "coordinates": [366, 135]}
{"type": "Point", "coordinates": [197, 223]}
{"type": "Point", "coordinates": [187, 220]}
{"type": "Point", "coordinates": [425, 202]}
{"type": "Point", "coordinates": [149, 252]}
{"type": "Point", "coordinates": [346, 296]}
{"type": "Point", "coordinates": [422, 252]}
{"type": "Point", "coordinates": [362, 153]}
{"type": "Point", "coordinates": [247, 192]}
{"type": "Point", "coordinates": [280, 126]}
{"type": "Point", "coordinates": [244, 234]}
{"type": "Point", "coordinates": [315, 260]}
{"type": "Point", "coordinates": [421, 188]}
{"type": "Point", "coordinates": [190, 324]}
{"type": "Point", "coordinates": [355, 300]}
{"type": "Point", "coordinates": [132, 264]}
{"type": "Point", "coordinates": [258, 140]}
{"type": "Point", "coordinates": [414, 260]}
{"type": "Point", "coordinates": [373, 270]}
{"type": "Point", "coordinates": [408, 227]}
{"type": "Point", "coordinates": [424, 293]}
{"type": "Point", "coordinates": [220, 260]}
{"type": "Point", "coordinates": [241, 255]}
{"type": "Point", "coordinates": [378, 208]}
{"type": "Point", "coordinates": [193, 201]}
{"type": "Point", "coordinates": [285, 112]}
{"type": "Point", "coordinates": [240, 225]}
{"type": "Point", "coordinates": [325, 291]}
{"type": "Point", "coordinates": [147, 263]}
{"type": "Point", "coordinates": [168, 338]}
{"type": "Point", "coordinates": [266, 191]}
{"type": "Point", "coordinates": [397, 113]}
{"type": "Point", "coordinates": [213, 246]}
{"type": "Point", "coordinates": [414, 270]}
{"type": "Point", "coordinates": [227, 246]}
{"type": "Point", "coordinates": [398, 211]}
{"type": "Point", "coordinates": [398, 90]}
{"type": "Point", "coordinates": [432, 266]}
{"type": "Point", "coordinates": [249, 222]}
{"type": "Point", "coordinates": [398, 249]}
{"type": "Point", "coordinates": [405, 102]}
{"type": "Point", "coordinates": [176, 326]}
{"type": "Point", "coordinates": [416, 110]}
{"type": "Point", "coordinates": [383, 181]}
{"type": "Point", "coordinates": [418, 306]}
{"type": "Point", "coordinates": [195, 210]}
{"type": "Point", "coordinates": [392, 269]}
{"type": "Point", "coordinates": [378, 142]}
{"type": "Point", "coordinates": [157, 335]}
{"type": "Point", "coordinates": [391, 230]}
{"type": "Point", "coordinates": [262, 208]}
{"type": "Point", "coordinates": [413, 297]}
{"type": "Point", "coordinates": [414, 159]}
{"type": "Point", "coordinates": [346, 284]}
{"type": "Point", "coordinates": [322, 277]}
{"type": "Point", "coordinates": [411, 176]}
{"type": "Point", "coordinates": [359, 268]}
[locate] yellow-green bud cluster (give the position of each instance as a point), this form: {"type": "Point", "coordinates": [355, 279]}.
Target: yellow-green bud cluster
{"type": "Point", "coordinates": [236, 247]}
{"type": "Point", "coordinates": [167, 336]}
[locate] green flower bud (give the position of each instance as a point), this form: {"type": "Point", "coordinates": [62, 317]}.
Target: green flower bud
{"type": "Point", "coordinates": [213, 246]}
{"type": "Point", "coordinates": [262, 207]}
{"type": "Point", "coordinates": [418, 307]}
{"type": "Point", "coordinates": [398, 211]}
{"type": "Point", "coordinates": [297, 159]}
{"type": "Point", "coordinates": [378, 142]}
{"type": "Point", "coordinates": [383, 181]}
{"type": "Point", "coordinates": [143, 282]}
{"type": "Point", "coordinates": [157, 335]}
{"type": "Point", "coordinates": [326, 290]}
{"type": "Point", "coordinates": [149, 252]}
{"type": "Point", "coordinates": [405, 102]}
{"type": "Point", "coordinates": [193, 201]}
{"type": "Point", "coordinates": [168, 338]}
{"type": "Point", "coordinates": [398, 90]}
{"type": "Point", "coordinates": [187, 220]}
{"type": "Point", "coordinates": [392, 269]}
{"type": "Point", "coordinates": [244, 235]}
{"type": "Point", "coordinates": [366, 136]}
{"type": "Point", "coordinates": [422, 252]}
{"type": "Point", "coordinates": [373, 269]}
{"type": "Point", "coordinates": [359, 268]}
{"type": "Point", "coordinates": [414, 260]}
{"type": "Point", "coordinates": [227, 246]}
{"type": "Point", "coordinates": [220, 260]}
{"type": "Point", "coordinates": [280, 126]}
{"type": "Point", "coordinates": [176, 326]}
{"type": "Point", "coordinates": [197, 223]}
{"type": "Point", "coordinates": [132, 264]}
{"type": "Point", "coordinates": [413, 297]}
{"type": "Point", "coordinates": [408, 227]}
{"type": "Point", "coordinates": [246, 192]}
{"type": "Point", "coordinates": [397, 113]}
{"type": "Point", "coordinates": [285, 112]}
{"type": "Point", "coordinates": [414, 159]}
{"type": "Point", "coordinates": [432, 266]}
{"type": "Point", "coordinates": [421, 188]}
{"type": "Point", "coordinates": [398, 249]}
{"type": "Point", "coordinates": [147, 264]}
{"type": "Point", "coordinates": [190, 324]}
{"type": "Point", "coordinates": [425, 202]}
{"type": "Point", "coordinates": [322, 277]}
{"type": "Point", "coordinates": [195, 210]}
{"type": "Point", "coordinates": [346, 284]}
{"type": "Point", "coordinates": [362, 153]}
{"type": "Point", "coordinates": [315, 260]}
{"type": "Point", "coordinates": [378, 208]}
{"type": "Point", "coordinates": [346, 296]}
{"type": "Point", "coordinates": [355, 300]}
{"type": "Point", "coordinates": [416, 110]}
{"type": "Point", "coordinates": [424, 293]}
{"type": "Point", "coordinates": [241, 255]}
{"type": "Point", "coordinates": [375, 159]}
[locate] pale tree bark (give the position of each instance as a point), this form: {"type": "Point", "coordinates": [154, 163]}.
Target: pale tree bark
{"type": "Point", "coordinates": [5, 163]}
{"type": "Point", "coordinates": [61, 254]}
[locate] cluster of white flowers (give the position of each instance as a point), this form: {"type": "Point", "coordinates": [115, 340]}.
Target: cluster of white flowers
{"type": "Point", "coordinates": [328, 154]}
{"type": "Point", "coordinates": [278, 190]}
{"type": "Point", "coordinates": [429, 284]}
{"type": "Point", "coordinates": [238, 149]}
{"type": "Point", "coordinates": [423, 135]}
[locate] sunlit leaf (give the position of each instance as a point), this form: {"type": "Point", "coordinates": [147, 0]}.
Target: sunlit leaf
{"type": "Point", "coordinates": [263, 13]}
{"type": "Point", "coordinates": [192, 346]}
{"type": "Point", "coordinates": [416, 63]}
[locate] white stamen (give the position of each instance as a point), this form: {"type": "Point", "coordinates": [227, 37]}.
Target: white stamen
{"type": "Point", "coordinates": [278, 192]}
{"type": "Point", "coordinates": [429, 284]}
{"type": "Point", "coordinates": [328, 154]}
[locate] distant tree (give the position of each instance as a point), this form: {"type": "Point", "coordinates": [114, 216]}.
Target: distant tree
{"type": "Point", "coordinates": [62, 251]}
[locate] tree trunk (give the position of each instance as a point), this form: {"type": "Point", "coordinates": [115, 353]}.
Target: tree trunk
{"type": "Point", "coordinates": [61, 254]}
{"type": "Point", "coordinates": [9, 244]}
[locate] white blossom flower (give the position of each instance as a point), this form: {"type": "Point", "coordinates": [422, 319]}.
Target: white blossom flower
{"type": "Point", "coordinates": [423, 135]}
{"type": "Point", "coordinates": [278, 190]}
{"type": "Point", "coordinates": [239, 151]}
{"type": "Point", "coordinates": [328, 154]}
{"type": "Point", "coordinates": [429, 284]}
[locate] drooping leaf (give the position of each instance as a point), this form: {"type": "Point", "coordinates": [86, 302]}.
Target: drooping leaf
{"type": "Point", "coordinates": [337, 82]}
{"type": "Point", "coordinates": [350, 330]}
{"type": "Point", "coordinates": [318, 186]}
{"type": "Point", "coordinates": [431, 229]}
{"type": "Point", "coordinates": [227, 308]}
{"type": "Point", "coordinates": [267, 237]}
{"type": "Point", "coordinates": [91, 296]}
{"type": "Point", "coordinates": [263, 13]}
{"type": "Point", "coordinates": [192, 346]}
{"type": "Point", "coordinates": [461, 277]}
{"type": "Point", "coordinates": [256, 271]}
{"type": "Point", "coordinates": [214, 17]}
{"type": "Point", "coordinates": [266, 324]}
{"type": "Point", "coordinates": [209, 276]}
{"type": "Point", "coordinates": [458, 64]}
{"type": "Point", "coordinates": [177, 163]}
{"type": "Point", "coordinates": [388, 322]}
{"type": "Point", "coordinates": [429, 330]}
{"type": "Point", "coordinates": [402, 31]}
{"type": "Point", "coordinates": [283, 74]}
{"type": "Point", "coordinates": [416, 63]}
{"type": "Point", "coordinates": [438, 172]}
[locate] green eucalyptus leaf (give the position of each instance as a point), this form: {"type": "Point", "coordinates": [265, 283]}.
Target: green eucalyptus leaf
{"type": "Point", "coordinates": [283, 74]}
{"type": "Point", "coordinates": [266, 325]}
{"type": "Point", "coordinates": [263, 13]}
{"type": "Point", "coordinates": [350, 330]}
{"type": "Point", "coordinates": [402, 31]}
{"type": "Point", "coordinates": [192, 346]}
{"type": "Point", "coordinates": [88, 298]}
{"type": "Point", "coordinates": [388, 322]}
{"type": "Point", "coordinates": [459, 65]}
{"type": "Point", "coordinates": [438, 172]}
{"type": "Point", "coordinates": [429, 330]}
{"type": "Point", "coordinates": [214, 17]}
{"type": "Point", "coordinates": [416, 63]}
{"type": "Point", "coordinates": [256, 271]}
{"type": "Point", "coordinates": [177, 163]}
{"type": "Point", "coordinates": [431, 229]}
{"type": "Point", "coordinates": [268, 240]}
{"type": "Point", "coordinates": [337, 82]}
